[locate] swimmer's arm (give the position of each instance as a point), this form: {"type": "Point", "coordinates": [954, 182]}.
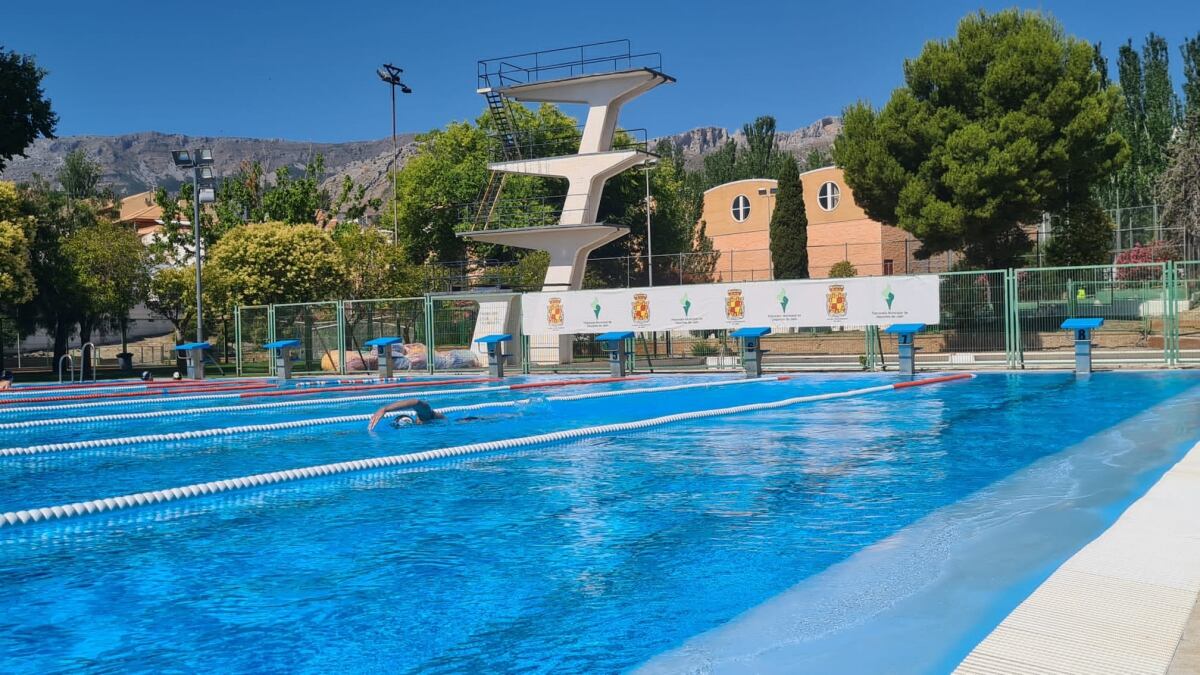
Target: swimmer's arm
{"type": "Point", "coordinates": [406, 404]}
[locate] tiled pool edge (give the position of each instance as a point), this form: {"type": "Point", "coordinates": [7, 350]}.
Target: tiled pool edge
{"type": "Point", "coordinates": [1120, 604]}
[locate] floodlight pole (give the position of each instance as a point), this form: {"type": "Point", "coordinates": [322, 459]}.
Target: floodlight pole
{"type": "Point", "coordinates": [196, 233]}
{"type": "Point", "coordinates": [391, 75]}
{"type": "Point", "coordinates": [649, 238]}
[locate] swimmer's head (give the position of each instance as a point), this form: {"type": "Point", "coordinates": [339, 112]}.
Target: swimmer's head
{"type": "Point", "coordinates": [403, 421]}
{"type": "Point", "coordinates": [176, 376]}
{"type": "Point", "coordinates": [146, 376]}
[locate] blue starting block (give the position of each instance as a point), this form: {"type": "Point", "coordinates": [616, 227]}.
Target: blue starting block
{"type": "Point", "coordinates": [383, 347]}
{"type": "Point", "coordinates": [906, 348]}
{"type": "Point", "coordinates": [281, 353]}
{"type": "Point", "coordinates": [194, 353]}
{"type": "Point", "coordinates": [750, 339]}
{"type": "Point", "coordinates": [614, 345]}
{"type": "Point", "coordinates": [1082, 329]}
{"type": "Point", "coordinates": [495, 352]}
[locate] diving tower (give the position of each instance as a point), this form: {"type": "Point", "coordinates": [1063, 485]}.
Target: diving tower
{"type": "Point", "coordinates": [602, 76]}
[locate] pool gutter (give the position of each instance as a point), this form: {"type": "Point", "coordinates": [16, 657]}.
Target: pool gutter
{"type": "Point", "coordinates": [1122, 603]}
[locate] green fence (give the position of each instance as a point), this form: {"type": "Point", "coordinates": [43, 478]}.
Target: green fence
{"type": "Point", "coordinates": [993, 318]}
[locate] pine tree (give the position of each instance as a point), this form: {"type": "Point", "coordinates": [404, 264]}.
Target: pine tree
{"type": "Point", "coordinates": [1191, 73]}
{"type": "Point", "coordinates": [789, 226]}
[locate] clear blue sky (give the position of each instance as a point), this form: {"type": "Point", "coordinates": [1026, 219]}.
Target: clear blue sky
{"type": "Point", "coordinates": [304, 69]}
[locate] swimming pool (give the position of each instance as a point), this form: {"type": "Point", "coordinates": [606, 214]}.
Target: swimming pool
{"type": "Point", "coordinates": [596, 554]}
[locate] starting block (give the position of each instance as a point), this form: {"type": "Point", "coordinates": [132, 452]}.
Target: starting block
{"type": "Point", "coordinates": [1082, 329]}
{"type": "Point", "coordinates": [383, 347]}
{"type": "Point", "coordinates": [495, 352]}
{"type": "Point", "coordinates": [194, 353]}
{"type": "Point", "coordinates": [906, 348]}
{"type": "Point", "coordinates": [281, 353]}
{"type": "Point", "coordinates": [752, 351]}
{"type": "Point", "coordinates": [614, 344]}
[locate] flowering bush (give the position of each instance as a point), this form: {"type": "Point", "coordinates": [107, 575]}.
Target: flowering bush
{"type": "Point", "coordinates": [1155, 252]}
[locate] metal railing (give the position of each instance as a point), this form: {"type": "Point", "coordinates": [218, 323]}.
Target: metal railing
{"type": "Point", "coordinates": [553, 64]}
{"type": "Point", "coordinates": [991, 318]}
{"type": "Point", "coordinates": [519, 212]}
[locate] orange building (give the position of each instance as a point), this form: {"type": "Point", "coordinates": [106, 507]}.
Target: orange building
{"type": "Point", "coordinates": [737, 218]}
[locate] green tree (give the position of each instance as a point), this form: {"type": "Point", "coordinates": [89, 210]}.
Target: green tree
{"type": "Point", "coordinates": [1083, 235]}
{"type": "Point", "coordinates": [995, 126]}
{"type": "Point", "coordinates": [842, 269]}
{"type": "Point", "coordinates": [1146, 120]}
{"type": "Point", "coordinates": [1179, 185]}
{"type": "Point", "coordinates": [375, 267]}
{"type": "Point", "coordinates": [25, 111]}
{"type": "Point", "coordinates": [789, 227]}
{"type": "Point", "coordinates": [1191, 73]}
{"type": "Point", "coordinates": [247, 196]}
{"type": "Point", "coordinates": [112, 274]}
{"type": "Point", "coordinates": [16, 279]}
{"type": "Point", "coordinates": [172, 295]}
{"type": "Point", "coordinates": [268, 263]}
{"type": "Point", "coordinates": [817, 159]}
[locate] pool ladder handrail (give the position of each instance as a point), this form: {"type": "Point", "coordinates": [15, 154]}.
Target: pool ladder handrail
{"type": "Point", "coordinates": [71, 361]}
{"type": "Point", "coordinates": [83, 360]}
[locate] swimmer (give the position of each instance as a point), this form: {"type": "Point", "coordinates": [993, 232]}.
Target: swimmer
{"type": "Point", "coordinates": [421, 408]}
{"type": "Point", "coordinates": [146, 376]}
{"type": "Point", "coordinates": [6, 379]}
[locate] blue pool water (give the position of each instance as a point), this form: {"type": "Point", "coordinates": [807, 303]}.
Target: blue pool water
{"type": "Point", "coordinates": [595, 555]}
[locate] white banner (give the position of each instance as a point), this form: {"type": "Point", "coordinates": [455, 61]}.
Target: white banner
{"type": "Point", "coordinates": [799, 303]}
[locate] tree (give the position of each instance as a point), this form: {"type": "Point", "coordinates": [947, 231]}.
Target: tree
{"type": "Point", "coordinates": [172, 295]}
{"type": "Point", "coordinates": [269, 263]}
{"type": "Point", "coordinates": [789, 227]}
{"type": "Point", "coordinates": [1179, 185]}
{"type": "Point", "coordinates": [995, 126]}
{"type": "Point", "coordinates": [16, 279]}
{"type": "Point", "coordinates": [112, 272]}
{"type": "Point", "coordinates": [1191, 73]}
{"type": "Point", "coordinates": [1082, 236]}
{"type": "Point", "coordinates": [842, 269]}
{"type": "Point", "coordinates": [247, 196]}
{"type": "Point", "coordinates": [25, 111]}
{"type": "Point", "coordinates": [1147, 118]}
{"type": "Point", "coordinates": [375, 268]}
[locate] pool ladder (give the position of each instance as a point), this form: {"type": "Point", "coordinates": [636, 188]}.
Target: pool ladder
{"type": "Point", "coordinates": [70, 361]}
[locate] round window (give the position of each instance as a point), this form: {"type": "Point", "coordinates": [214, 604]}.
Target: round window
{"type": "Point", "coordinates": [741, 208]}
{"type": "Point", "coordinates": [828, 196]}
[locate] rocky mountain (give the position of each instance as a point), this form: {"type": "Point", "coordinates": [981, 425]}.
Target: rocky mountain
{"type": "Point", "coordinates": [699, 142]}
{"type": "Point", "coordinates": [136, 162]}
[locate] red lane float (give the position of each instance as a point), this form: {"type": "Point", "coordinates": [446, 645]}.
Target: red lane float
{"type": "Point", "coordinates": [932, 380]}
{"type": "Point", "coordinates": [150, 391]}
{"type": "Point", "coordinates": [313, 391]}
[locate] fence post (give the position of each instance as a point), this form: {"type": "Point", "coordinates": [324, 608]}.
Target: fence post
{"type": "Point", "coordinates": [270, 336]}
{"type": "Point", "coordinates": [237, 340]}
{"type": "Point", "coordinates": [1012, 319]}
{"type": "Point", "coordinates": [1170, 314]}
{"type": "Point", "coordinates": [869, 349]}
{"type": "Point", "coordinates": [429, 346]}
{"type": "Point", "coordinates": [341, 336]}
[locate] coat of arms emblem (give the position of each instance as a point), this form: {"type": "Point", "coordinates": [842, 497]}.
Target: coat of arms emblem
{"type": "Point", "coordinates": [641, 308]}
{"type": "Point", "coordinates": [735, 305]}
{"type": "Point", "coordinates": [554, 312]}
{"type": "Point", "coordinates": [835, 300]}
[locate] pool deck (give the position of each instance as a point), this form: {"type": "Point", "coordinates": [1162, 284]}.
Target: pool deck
{"type": "Point", "coordinates": [1125, 603]}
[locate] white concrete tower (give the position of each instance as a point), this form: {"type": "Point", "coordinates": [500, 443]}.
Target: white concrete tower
{"type": "Point", "coordinates": [603, 77]}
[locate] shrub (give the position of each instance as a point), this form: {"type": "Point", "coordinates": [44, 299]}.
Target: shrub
{"type": "Point", "coordinates": [1155, 252]}
{"type": "Point", "coordinates": [703, 348]}
{"type": "Point", "coordinates": [842, 270]}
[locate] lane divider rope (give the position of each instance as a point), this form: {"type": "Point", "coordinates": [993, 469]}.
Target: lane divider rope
{"type": "Point", "coordinates": [108, 504]}
{"type": "Point", "coordinates": [63, 421]}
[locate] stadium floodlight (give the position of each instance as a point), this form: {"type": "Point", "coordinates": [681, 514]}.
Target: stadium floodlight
{"type": "Point", "coordinates": [391, 75]}
{"type": "Point", "coordinates": [204, 187]}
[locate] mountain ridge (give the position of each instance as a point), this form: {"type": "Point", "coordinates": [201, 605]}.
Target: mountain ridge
{"type": "Point", "coordinates": [141, 161]}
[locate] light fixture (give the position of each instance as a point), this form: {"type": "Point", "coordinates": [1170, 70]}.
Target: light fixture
{"type": "Point", "coordinates": [182, 158]}
{"type": "Point", "coordinates": [206, 171]}
{"type": "Point", "coordinates": [204, 157]}
{"type": "Point", "coordinates": [208, 195]}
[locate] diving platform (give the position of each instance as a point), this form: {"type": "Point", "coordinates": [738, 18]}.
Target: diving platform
{"type": "Point", "coordinates": [604, 77]}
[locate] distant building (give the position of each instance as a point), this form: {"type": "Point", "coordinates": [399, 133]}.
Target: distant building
{"type": "Point", "coordinates": [737, 218]}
